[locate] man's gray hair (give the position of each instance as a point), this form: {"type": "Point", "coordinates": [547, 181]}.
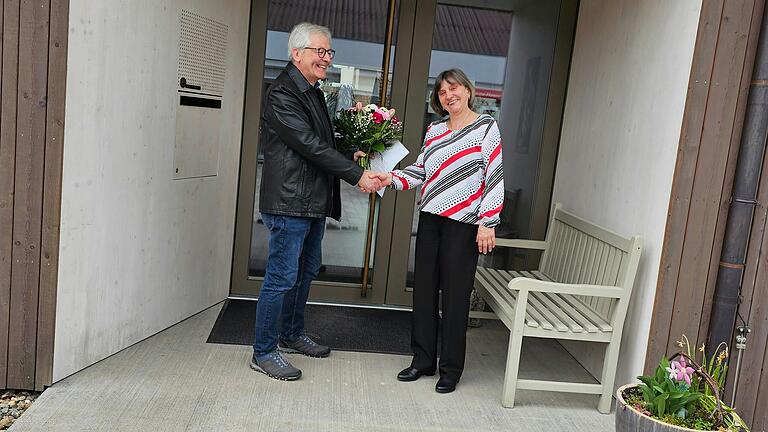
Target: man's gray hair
{"type": "Point", "coordinates": [301, 33]}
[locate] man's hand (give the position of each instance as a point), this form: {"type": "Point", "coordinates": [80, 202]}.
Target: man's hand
{"type": "Point", "coordinates": [486, 239]}
{"type": "Point", "coordinates": [369, 182]}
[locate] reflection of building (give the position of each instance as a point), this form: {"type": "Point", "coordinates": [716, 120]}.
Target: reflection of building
{"type": "Point", "coordinates": [360, 47]}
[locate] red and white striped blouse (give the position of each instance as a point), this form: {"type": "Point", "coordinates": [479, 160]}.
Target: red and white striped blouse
{"type": "Point", "coordinates": [460, 172]}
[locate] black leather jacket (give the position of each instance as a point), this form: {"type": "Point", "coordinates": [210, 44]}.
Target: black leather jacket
{"type": "Point", "coordinates": [301, 164]}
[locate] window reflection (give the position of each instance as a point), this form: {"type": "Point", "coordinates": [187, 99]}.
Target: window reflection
{"type": "Point", "coordinates": [509, 57]}
{"type": "Point", "coordinates": [359, 30]}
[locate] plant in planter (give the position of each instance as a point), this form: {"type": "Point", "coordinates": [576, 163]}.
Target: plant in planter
{"type": "Point", "coordinates": [682, 394]}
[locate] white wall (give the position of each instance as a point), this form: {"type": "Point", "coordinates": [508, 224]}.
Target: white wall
{"type": "Point", "coordinates": [622, 122]}
{"type": "Point", "coordinates": [139, 251]}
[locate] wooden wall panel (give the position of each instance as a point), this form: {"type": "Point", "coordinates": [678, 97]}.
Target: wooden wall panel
{"type": "Point", "coordinates": [710, 138]}
{"type": "Point", "coordinates": [54, 148]}
{"type": "Point", "coordinates": [28, 191]}
{"type": "Point", "coordinates": [32, 92]}
{"type": "Point", "coordinates": [708, 194]}
{"type": "Point", "coordinates": [682, 185]}
{"type": "Point", "coordinates": [741, 107]}
{"type": "Point", "coordinates": [8, 106]}
{"type": "Point", "coordinates": [714, 114]}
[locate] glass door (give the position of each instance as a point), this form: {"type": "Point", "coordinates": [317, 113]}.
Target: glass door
{"type": "Point", "coordinates": [517, 55]}
{"type": "Point", "coordinates": [360, 31]}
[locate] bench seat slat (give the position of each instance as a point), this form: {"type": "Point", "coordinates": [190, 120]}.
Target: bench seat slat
{"type": "Point", "coordinates": [493, 285]}
{"type": "Point", "coordinates": [578, 311]}
{"type": "Point", "coordinates": [505, 298]}
{"type": "Point", "coordinates": [548, 311]}
{"type": "Point", "coordinates": [552, 307]}
{"type": "Point", "coordinates": [574, 312]}
{"type": "Point", "coordinates": [549, 321]}
{"type": "Point", "coordinates": [588, 312]}
{"type": "Point", "coordinates": [532, 317]}
{"type": "Point", "coordinates": [569, 322]}
{"type": "Point", "coordinates": [591, 317]}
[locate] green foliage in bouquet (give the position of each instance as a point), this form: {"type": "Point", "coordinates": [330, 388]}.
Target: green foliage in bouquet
{"type": "Point", "coordinates": [371, 129]}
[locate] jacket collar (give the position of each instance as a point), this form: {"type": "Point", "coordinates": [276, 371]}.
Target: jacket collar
{"type": "Point", "coordinates": [299, 79]}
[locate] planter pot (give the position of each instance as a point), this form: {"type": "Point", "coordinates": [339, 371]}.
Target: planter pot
{"type": "Point", "coordinates": [629, 419]}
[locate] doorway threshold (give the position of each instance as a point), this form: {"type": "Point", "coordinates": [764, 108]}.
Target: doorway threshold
{"type": "Point", "coordinates": [339, 304]}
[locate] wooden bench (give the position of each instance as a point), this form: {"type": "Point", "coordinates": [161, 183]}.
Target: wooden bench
{"type": "Point", "coordinates": [580, 292]}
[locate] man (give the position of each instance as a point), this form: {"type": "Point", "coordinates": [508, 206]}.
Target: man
{"type": "Point", "coordinates": [299, 188]}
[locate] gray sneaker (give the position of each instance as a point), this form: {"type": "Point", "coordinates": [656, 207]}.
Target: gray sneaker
{"type": "Point", "coordinates": [275, 366]}
{"type": "Point", "coordinates": [304, 345]}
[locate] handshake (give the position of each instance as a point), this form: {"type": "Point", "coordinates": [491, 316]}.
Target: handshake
{"type": "Point", "coordinates": [372, 181]}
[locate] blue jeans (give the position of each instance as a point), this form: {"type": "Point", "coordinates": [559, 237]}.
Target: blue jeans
{"type": "Point", "coordinates": [295, 254]}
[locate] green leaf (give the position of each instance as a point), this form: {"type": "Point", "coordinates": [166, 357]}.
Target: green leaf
{"type": "Point", "coordinates": [646, 380]}
{"type": "Point", "coordinates": [661, 407]}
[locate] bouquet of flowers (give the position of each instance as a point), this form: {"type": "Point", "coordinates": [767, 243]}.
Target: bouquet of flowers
{"type": "Point", "coordinates": [370, 128]}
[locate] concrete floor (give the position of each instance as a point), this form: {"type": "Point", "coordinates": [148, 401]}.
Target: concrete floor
{"type": "Point", "coordinates": [174, 381]}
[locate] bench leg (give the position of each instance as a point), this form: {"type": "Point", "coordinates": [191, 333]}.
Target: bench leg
{"type": "Point", "coordinates": [513, 350]}
{"type": "Point", "coordinates": [513, 365]}
{"type": "Point", "coordinates": [608, 377]}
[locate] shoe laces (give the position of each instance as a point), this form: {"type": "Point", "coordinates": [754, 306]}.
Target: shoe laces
{"type": "Point", "coordinates": [282, 362]}
{"type": "Point", "coordinates": [308, 340]}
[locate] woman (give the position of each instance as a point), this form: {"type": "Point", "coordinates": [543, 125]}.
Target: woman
{"type": "Point", "coordinates": [462, 191]}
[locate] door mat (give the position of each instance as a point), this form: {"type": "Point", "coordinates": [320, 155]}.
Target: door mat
{"type": "Point", "coordinates": [340, 327]}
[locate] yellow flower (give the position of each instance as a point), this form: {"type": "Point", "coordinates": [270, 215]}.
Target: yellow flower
{"type": "Point", "coordinates": [723, 355]}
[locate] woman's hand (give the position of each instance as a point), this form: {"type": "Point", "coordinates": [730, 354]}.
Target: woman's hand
{"type": "Point", "coordinates": [358, 154]}
{"type": "Point", "coordinates": [384, 177]}
{"type": "Point", "coordinates": [486, 239]}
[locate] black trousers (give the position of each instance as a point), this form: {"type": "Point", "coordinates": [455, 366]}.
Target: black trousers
{"type": "Point", "coordinates": [446, 259]}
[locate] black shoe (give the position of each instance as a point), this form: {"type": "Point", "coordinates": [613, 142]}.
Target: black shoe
{"type": "Point", "coordinates": [445, 385]}
{"type": "Point", "coordinates": [412, 374]}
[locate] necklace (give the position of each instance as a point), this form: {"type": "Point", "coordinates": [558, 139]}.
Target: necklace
{"type": "Point", "coordinates": [458, 124]}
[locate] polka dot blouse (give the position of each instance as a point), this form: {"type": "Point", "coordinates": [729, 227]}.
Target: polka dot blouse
{"type": "Point", "coordinates": [460, 172]}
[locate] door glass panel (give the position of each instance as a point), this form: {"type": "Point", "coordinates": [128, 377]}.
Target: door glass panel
{"type": "Point", "coordinates": [359, 30]}
{"type": "Point", "coordinates": [509, 59]}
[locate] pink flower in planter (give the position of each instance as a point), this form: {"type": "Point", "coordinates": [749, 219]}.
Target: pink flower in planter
{"type": "Point", "coordinates": [673, 369]}
{"type": "Point", "coordinates": [684, 372]}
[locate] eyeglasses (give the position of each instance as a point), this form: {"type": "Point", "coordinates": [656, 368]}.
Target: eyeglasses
{"type": "Point", "coordinates": [321, 52]}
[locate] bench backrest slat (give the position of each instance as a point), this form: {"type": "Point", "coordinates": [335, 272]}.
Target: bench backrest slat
{"type": "Point", "coordinates": [583, 253]}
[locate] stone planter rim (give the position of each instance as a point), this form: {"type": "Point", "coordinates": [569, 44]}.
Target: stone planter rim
{"type": "Point", "coordinates": [620, 403]}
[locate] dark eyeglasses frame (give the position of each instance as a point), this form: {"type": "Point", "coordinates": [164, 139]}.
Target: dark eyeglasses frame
{"type": "Point", "coordinates": [321, 52]}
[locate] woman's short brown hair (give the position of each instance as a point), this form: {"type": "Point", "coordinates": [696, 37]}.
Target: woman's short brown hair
{"type": "Point", "coordinates": [452, 76]}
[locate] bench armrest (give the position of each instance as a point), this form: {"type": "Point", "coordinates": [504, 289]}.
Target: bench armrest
{"type": "Point", "coordinates": [521, 244]}
{"type": "Point", "coordinates": [523, 283]}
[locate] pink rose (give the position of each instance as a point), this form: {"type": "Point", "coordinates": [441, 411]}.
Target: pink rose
{"type": "Point", "coordinates": [359, 106]}
{"type": "Point", "coordinates": [378, 118]}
